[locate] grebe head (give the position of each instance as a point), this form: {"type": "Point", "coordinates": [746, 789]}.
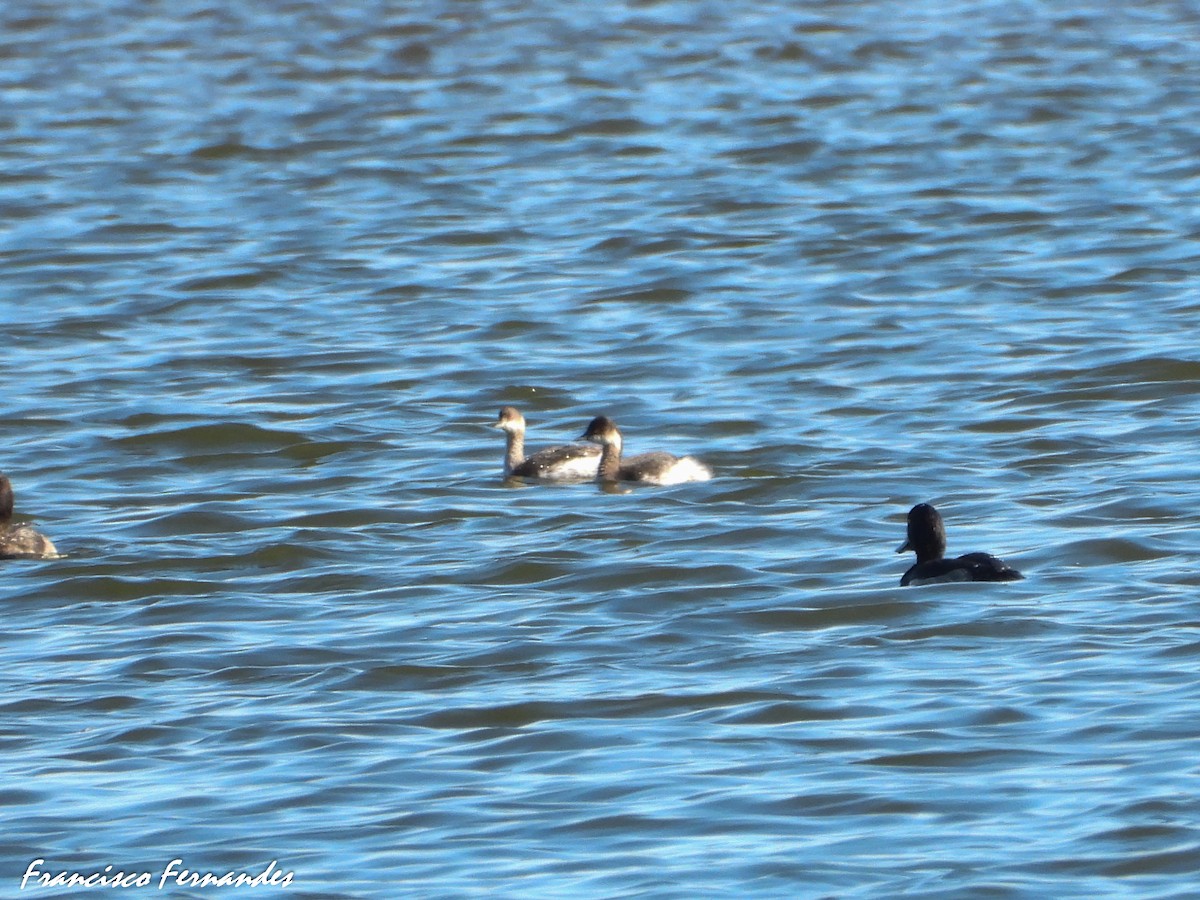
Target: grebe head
{"type": "Point", "coordinates": [510, 420]}
{"type": "Point", "coordinates": [602, 430]}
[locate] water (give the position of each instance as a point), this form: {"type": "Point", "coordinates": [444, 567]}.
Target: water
{"type": "Point", "coordinates": [269, 270]}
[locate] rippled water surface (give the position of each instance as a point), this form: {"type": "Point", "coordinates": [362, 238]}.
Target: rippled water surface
{"type": "Point", "coordinates": [270, 269]}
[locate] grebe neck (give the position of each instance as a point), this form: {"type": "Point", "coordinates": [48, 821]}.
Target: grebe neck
{"type": "Point", "coordinates": [610, 461]}
{"type": "Point", "coordinates": [514, 450]}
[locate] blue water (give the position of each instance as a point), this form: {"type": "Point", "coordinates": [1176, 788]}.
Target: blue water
{"type": "Point", "coordinates": [271, 269]}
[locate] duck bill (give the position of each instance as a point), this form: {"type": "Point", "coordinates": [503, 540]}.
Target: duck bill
{"type": "Point", "coordinates": [905, 547]}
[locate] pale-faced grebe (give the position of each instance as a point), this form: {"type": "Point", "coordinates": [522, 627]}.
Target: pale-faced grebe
{"type": "Point", "coordinates": [20, 541]}
{"type": "Point", "coordinates": [927, 538]}
{"type": "Point", "coordinates": [654, 468]}
{"type": "Point", "coordinates": [570, 462]}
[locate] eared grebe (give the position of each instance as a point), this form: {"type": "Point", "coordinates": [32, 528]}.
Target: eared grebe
{"type": "Point", "coordinates": [654, 468]}
{"type": "Point", "coordinates": [570, 462]}
{"type": "Point", "coordinates": [927, 538]}
{"type": "Point", "coordinates": [20, 541]}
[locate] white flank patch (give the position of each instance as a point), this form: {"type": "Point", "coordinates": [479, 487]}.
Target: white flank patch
{"type": "Point", "coordinates": [577, 468]}
{"type": "Point", "coordinates": [686, 469]}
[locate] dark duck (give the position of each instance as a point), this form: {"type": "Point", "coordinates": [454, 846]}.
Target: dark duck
{"type": "Point", "coordinates": [927, 538]}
